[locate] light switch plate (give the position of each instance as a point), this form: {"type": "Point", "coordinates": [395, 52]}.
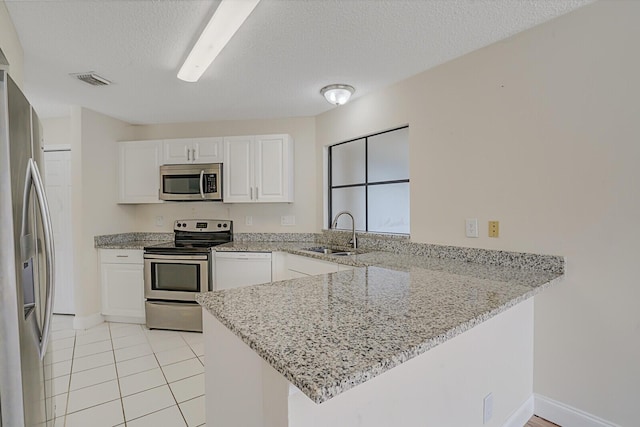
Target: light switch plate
{"type": "Point", "coordinates": [288, 220]}
{"type": "Point", "coordinates": [471, 227]}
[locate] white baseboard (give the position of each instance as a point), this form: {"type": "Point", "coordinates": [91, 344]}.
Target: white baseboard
{"type": "Point", "coordinates": [522, 414]}
{"type": "Point", "coordinates": [125, 319]}
{"type": "Point", "coordinates": [565, 415]}
{"type": "Point", "coordinates": [86, 322]}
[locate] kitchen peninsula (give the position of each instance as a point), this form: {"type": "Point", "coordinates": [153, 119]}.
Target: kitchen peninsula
{"type": "Point", "coordinates": [414, 335]}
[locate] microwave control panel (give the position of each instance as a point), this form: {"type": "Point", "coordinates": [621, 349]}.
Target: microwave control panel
{"type": "Point", "coordinates": [210, 183]}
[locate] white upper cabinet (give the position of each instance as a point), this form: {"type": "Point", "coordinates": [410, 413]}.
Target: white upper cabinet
{"type": "Point", "coordinates": [237, 169]}
{"type": "Point", "coordinates": [258, 169]}
{"type": "Point", "coordinates": [139, 171]}
{"type": "Point", "coordinates": [193, 150]}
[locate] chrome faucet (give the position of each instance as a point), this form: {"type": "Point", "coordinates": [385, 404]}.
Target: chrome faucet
{"type": "Point", "coordinates": [353, 226]}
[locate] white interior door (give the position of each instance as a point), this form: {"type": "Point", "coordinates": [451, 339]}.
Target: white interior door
{"type": "Point", "coordinates": [57, 166]}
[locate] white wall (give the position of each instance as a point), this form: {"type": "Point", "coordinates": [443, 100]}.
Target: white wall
{"type": "Point", "coordinates": [56, 131]}
{"type": "Point", "coordinates": [541, 132]}
{"type": "Point", "coordinates": [10, 45]}
{"type": "Point", "coordinates": [266, 216]}
{"type": "Point", "coordinates": [94, 154]}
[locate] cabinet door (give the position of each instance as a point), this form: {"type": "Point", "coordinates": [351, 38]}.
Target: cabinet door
{"type": "Point", "coordinates": [178, 151]}
{"type": "Point", "coordinates": [207, 150]}
{"type": "Point", "coordinates": [273, 168]}
{"type": "Point", "coordinates": [122, 290]}
{"type": "Point", "coordinates": [237, 170]}
{"type": "Point", "coordinates": [139, 171]}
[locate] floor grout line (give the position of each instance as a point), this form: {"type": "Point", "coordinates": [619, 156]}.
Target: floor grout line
{"type": "Point", "coordinates": [171, 390]}
{"type": "Point", "coordinates": [66, 406]}
{"type": "Point", "coordinates": [115, 366]}
{"type": "Point", "coordinates": [184, 342]}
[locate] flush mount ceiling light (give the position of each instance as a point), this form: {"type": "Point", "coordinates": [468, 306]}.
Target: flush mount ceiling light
{"type": "Point", "coordinates": [337, 94]}
{"type": "Point", "coordinates": [224, 23]}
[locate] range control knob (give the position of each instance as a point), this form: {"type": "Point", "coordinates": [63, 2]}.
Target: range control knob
{"type": "Point", "coordinates": [225, 226]}
{"type": "Point", "coordinates": [219, 225]}
{"type": "Point", "coordinates": [179, 225]}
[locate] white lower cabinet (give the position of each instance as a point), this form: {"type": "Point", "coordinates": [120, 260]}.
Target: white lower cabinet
{"type": "Point", "coordinates": [122, 283]}
{"type": "Point", "coordinates": [288, 266]}
{"type": "Point", "coordinates": [309, 266]}
{"type": "Point", "coordinates": [238, 269]}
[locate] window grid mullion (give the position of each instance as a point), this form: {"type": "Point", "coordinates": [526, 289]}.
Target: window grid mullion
{"type": "Point", "coordinates": [330, 190]}
{"type": "Point", "coordinates": [366, 184]}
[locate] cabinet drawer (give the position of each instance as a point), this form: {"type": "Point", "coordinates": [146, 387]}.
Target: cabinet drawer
{"type": "Point", "coordinates": [121, 256]}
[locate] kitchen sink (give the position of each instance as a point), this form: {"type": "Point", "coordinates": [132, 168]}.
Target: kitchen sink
{"type": "Point", "coordinates": [332, 251]}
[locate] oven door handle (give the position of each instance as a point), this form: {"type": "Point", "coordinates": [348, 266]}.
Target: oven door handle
{"type": "Point", "coordinates": [202, 184]}
{"type": "Point", "coordinates": [177, 257]}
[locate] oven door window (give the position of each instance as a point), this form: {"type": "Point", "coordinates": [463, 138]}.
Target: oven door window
{"type": "Point", "coordinates": [175, 277]}
{"type": "Point", "coordinates": [181, 184]}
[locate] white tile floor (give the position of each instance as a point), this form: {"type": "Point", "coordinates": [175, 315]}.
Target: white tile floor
{"type": "Point", "coordinates": [119, 374]}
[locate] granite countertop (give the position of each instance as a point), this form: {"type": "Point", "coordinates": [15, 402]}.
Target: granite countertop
{"type": "Point", "coordinates": [134, 240]}
{"type": "Point", "coordinates": [331, 332]}
{"type": "Point", "coordinates": [133, 244]}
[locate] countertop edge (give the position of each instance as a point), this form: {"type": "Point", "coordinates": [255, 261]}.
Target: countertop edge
{"type": "Point", "coordinates": [323, 394]}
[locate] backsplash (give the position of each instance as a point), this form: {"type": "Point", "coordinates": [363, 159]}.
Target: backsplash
{"type": "Point", "coordinates": [401, 244]}
{"type": "Point", "coordinates": [398, 244]}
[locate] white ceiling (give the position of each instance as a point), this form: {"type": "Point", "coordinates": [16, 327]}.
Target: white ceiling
{"type": "Point", "coordinates": [273, 67]}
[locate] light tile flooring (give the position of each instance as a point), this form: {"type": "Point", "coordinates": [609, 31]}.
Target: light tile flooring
{"type": "Point", "coordinates": [120, 374]}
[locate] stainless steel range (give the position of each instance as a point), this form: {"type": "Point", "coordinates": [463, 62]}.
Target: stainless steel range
{"type": "Point", "coordinates": [175, 272]}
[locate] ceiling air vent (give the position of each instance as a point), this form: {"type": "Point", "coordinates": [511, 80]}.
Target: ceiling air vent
{"type": "Point", "coordinates": [91, 78]}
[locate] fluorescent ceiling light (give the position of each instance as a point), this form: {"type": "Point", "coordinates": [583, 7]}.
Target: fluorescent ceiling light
{"type": "Point", "coordinates": [224, 23]}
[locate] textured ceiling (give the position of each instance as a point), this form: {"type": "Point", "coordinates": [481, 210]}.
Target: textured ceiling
{"type": "Point", "coordinates": [273, 67]}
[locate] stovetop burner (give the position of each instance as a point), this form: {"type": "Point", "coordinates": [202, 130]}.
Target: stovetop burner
{"type": "Point", "coordinates": [195, 235]}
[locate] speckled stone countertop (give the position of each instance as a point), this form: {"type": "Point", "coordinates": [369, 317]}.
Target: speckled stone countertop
{"type": "Point", "coordinates": [329, 333]}
{"type": "Point", "coordinates": [130, 240]}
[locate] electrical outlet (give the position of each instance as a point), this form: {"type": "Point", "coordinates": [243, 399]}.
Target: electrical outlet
{"type": "Point", "coordinates": [248, 220]}
{"type": "Point", "coordinates": [487, 408]}
{"type": "Point", "coordinates": [159, 221]}
{"type": "Point", "coordinates": [471, 227]}
{"type": "Point", "coordinates": [288, 220]}
{"type": "Point", "coordinates": [494, 228]}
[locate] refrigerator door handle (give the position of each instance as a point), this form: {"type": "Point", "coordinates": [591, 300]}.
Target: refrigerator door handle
{"type": "Point", "coordinates": [34, 178]}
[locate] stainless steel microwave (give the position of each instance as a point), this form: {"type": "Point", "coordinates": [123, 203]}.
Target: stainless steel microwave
{"type": "Point", "coordinates": [191, 182]}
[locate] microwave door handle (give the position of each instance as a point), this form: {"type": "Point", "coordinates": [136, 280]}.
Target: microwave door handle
{"type": "Point", "coordinates": [201, 184]}
{"type": "Point", "coordinates": [34, 178]}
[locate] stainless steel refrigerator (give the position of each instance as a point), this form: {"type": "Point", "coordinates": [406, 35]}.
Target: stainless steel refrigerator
{"type": "Point", "coordinates": [26, 266]}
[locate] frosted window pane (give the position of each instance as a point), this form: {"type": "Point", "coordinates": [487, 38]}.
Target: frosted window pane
{"type": "Point", "coordinates": [348, 199]}
{"type": "Point", "coordinates": [389, 156]}
{"type": "Point", "coordinates": [347, 163]}
{"type": "Point", "coordinates": [389, 208]}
